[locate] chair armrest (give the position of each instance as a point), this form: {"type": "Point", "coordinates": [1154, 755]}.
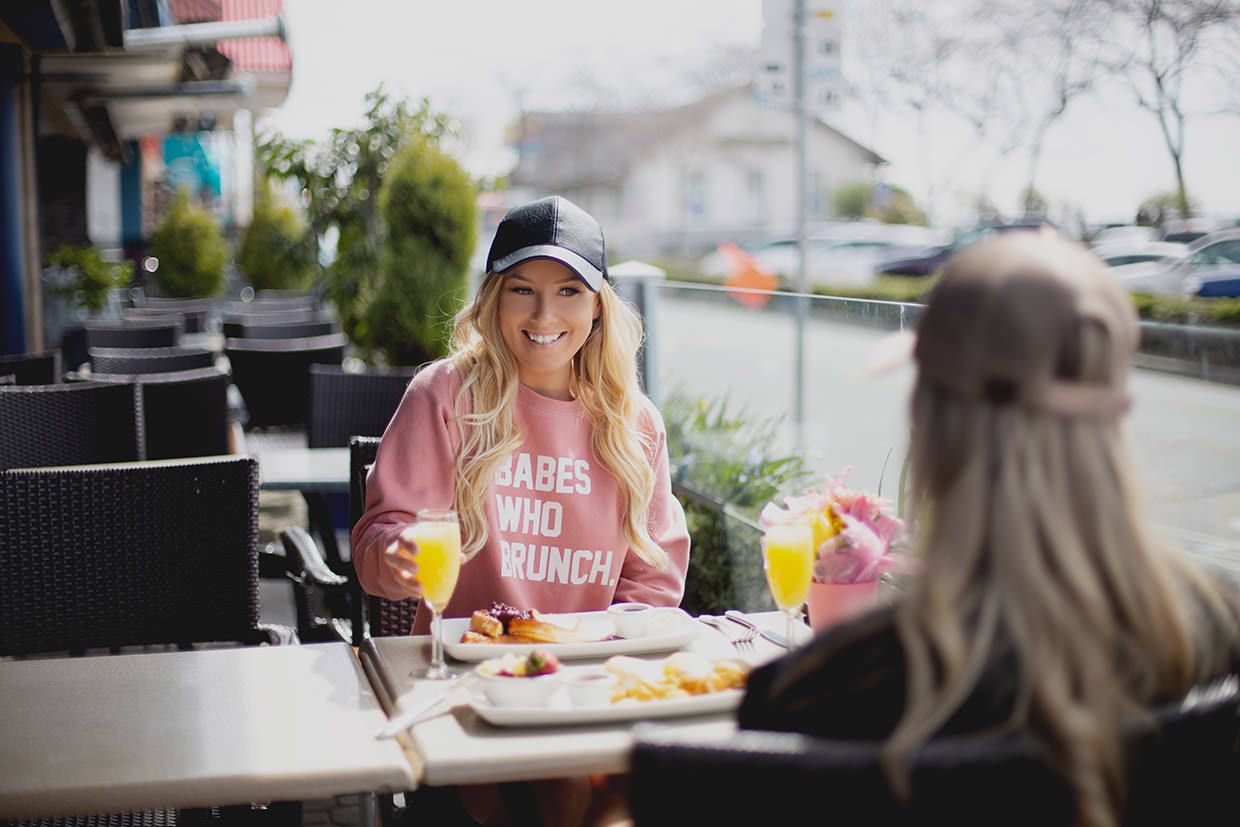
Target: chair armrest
{"type": "Point", "coordinates": [279, 635]}
{"type": "Point", "coordinates": [313, 581]}
{"type": "Point", "coordinates": [304, 560]}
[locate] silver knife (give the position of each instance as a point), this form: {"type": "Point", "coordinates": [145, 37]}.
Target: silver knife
{"type": "Point", "coordinates": [774, 637]}
{"type": "Point", "coordinates": [410, 716]}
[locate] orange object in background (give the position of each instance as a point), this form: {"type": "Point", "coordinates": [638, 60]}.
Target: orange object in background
{"type": "Point", "coordinates": [747, 272]}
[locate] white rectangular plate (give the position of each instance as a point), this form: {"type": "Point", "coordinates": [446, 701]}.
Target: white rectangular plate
{"type": "Point", "coordinates": [677, 633]}
{"type": "Point", "coordinates": [560, 711]}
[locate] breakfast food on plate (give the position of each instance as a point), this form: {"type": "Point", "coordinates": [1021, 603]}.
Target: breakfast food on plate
{"type": "Point", "coordinates": [506, 624]}
{"type": "Point", "coordinates": [679, 675]}
{"type": "Point", "coordinates": [538, 662]}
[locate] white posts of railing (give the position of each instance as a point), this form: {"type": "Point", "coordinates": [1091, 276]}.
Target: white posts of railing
{"type": "Point", "coordinates": [638, 283]}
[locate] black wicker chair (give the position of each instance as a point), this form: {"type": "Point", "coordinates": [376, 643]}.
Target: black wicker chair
{"type": "Point", "coordinates": [129, 360]}
{"type": "Point", "coordinates": [344, 404]}
{"type": "Point", "coordinates": [33, 368]}
{"type": "Point", "coordinates": [273, 305]}
{"type": "Point", "coordinates": [1183, 770]}
{"type": "Point", "coordinates": [193, 321]}
{"type": "Point", "coordinates": [150, 554]}
{"type": "Point", "coordinates": [184, 413]}
{"type": "Point", "coordinates": [157, 332]}
{"type": "Point", "coordinates": [368, 615]}
{"type": "Point", "coordinates": [138, 554]}
{"type": "Point", "coordinates": [70, 424]}
{"type": "Point", "coordinates": [281, 329]}
{"type": "Point", "coordinates": [273, 375]}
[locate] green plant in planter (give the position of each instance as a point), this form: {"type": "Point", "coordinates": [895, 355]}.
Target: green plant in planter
{"type": "Point", "coordinates": [191, 251]}
{"type": "Point", "coordinates": [726, 460]}
{"type": "Point", "coordinates": [278, 251]}
{"type": "Point", "coordinates": [428, 207]}
{"type": "Point", "coordinates": [84, 275]}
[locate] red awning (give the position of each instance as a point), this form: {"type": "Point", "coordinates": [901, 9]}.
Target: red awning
{"type": "Point", "coordinates": [255, 54]}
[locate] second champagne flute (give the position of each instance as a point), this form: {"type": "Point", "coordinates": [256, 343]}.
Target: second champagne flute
{"type": "Point", "coordinates": [438, 535]}
{"type": "Point", "coordinates": [788, 557]}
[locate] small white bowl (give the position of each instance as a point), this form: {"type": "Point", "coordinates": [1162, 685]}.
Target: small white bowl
{"type": "Point", "coordinates": [589, 687]}
{"type": "Point", "coordinates": [640, 619]}
{"type": "Point", "coordinates": [508, 690]}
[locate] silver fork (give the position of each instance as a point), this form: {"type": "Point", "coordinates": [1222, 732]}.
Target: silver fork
{"type": "Point", "coordinates": [742, 641]}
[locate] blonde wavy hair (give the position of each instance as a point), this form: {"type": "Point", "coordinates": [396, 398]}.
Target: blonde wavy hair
{"type": "Point", "coordinates": [1036, 549]}
{"type": "Point", "coordinates": [604, 379]}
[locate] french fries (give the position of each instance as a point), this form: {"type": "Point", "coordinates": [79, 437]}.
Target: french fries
{"type": "Point", "coordinates": [680, 675]}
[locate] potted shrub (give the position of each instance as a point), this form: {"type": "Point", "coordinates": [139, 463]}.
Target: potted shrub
{"type": "Point", "coordinates": [427, 203]}
{"type": "Point", "coordinates": [191, 251]}
{"type": "Point", "coordinates": [277, 251]}
{"type": "Point", "coordinates": [80, 273]}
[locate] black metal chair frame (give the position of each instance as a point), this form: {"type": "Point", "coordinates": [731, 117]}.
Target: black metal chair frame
{"type": "Point", "coordinates": [280, 329]}
{"type": "Point", "coordinates": [193, 321]}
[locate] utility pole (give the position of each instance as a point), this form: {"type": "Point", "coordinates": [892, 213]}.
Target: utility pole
{"type": "Point", "coordinates": [802, 300]}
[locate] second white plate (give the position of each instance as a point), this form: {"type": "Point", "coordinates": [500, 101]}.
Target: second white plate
{"type": "Point", "coordinates": [560, 712]}
{"type": "Point", "coordinates": [677, 634]}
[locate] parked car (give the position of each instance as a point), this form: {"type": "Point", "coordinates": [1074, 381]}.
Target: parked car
{"type": "Point", "coordinates": [1211, 261]}
{"type": "Point", "coordinates": [836, 260]}
{"type": "Point", "coordinates": [1124, 233]}
{"type": "Point", "coordinates": [928, 261]}
{"type": "Point", "coordinates": [1119, 253]}
{"type": "Point", "coordinates": [1185, 230]}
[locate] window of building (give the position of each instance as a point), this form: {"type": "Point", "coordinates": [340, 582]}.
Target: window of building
{"type": "Point", "coordinates": [755, 192]}
{"type": "Point", "coordinates": [694, 198]}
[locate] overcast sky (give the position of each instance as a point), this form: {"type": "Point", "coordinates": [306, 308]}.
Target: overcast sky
{"type": "Point", "coordinates": [481, 61]}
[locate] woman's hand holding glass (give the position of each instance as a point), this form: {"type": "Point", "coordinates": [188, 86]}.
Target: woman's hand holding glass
{"type": "Point", "coordinates": [401, 556]}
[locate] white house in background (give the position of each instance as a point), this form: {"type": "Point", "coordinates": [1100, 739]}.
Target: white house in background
{"type": "Point", "coordinates": [681, 180]}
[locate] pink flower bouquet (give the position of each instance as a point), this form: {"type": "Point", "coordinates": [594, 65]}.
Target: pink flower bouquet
{"type": "Point", "coordinates": [853, 531]}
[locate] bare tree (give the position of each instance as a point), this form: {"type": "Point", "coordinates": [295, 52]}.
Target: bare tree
{"type": "Point", "coordinates": [1161, 47]}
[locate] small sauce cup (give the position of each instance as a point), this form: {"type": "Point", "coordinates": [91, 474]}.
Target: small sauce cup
{"type": "Point", "coordinates": [590, 687]}
{"type": "Point", "coordinates": [641, 619]}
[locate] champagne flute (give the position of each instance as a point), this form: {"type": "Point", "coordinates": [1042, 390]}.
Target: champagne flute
{"type": "Point", "coordinates": [438, 535]}
{"type": "Point", "coordinates": [788, 557]}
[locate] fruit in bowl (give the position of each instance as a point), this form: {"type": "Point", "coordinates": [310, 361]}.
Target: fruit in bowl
{"type": "Point", "coordinates": [516, 680]}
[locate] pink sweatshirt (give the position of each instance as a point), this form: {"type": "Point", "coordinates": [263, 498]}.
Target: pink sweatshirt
{"type": "Point", "coordinates": [556, 541]}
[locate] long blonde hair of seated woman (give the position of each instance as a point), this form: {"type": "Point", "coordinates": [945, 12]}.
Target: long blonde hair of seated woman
{"type": "Point", "coordinates": [1035, 544]}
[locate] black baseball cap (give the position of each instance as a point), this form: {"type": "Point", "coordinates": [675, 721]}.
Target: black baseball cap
{"type": "Point", "coordinates": [554, 228]}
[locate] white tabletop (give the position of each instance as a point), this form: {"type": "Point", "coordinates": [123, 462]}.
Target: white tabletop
{"type": "Point", "coordinates": [458, 747]}
{"type": "Point", "coordinates": [323, 470]}
{"type": "Point", "coordinates": [190, 729]}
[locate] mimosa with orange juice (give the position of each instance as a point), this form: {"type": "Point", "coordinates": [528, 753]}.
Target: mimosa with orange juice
{"type": "Point", "coordinates": [438, 559]}
{"type": "Point", "coordinates": [438, 535]}
{"type": "Point", "coordinates": [788, 553]}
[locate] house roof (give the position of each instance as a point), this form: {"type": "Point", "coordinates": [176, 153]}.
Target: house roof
{"type": "Point", "coordinates": [558, 150]}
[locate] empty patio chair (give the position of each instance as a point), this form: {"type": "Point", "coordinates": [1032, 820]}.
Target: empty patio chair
{"type": "Point", "coordinates": [193, 321]}
{"type": "Point", "coordinates": [42, 368]}
{"type": "Point", "coordinates": [138, 554]}
{"type": "Point", "coordinates": [157, 332]}
{"type": "Point", "coordinates": [280, 329]}
{"type": "Point", "coordinates": [273, 375]}
{"type": "Point", "coordinates": [70, 424]}
{"type": "Point", "coordinates": [345, 404]}
{"type": "Point", "coordinates": [184, 413]}
{"type": "Point", "coordinates": [128, 360]}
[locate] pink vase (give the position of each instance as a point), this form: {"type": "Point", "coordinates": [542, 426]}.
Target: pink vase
{"type": "Point", "coordinates": [830, 603]}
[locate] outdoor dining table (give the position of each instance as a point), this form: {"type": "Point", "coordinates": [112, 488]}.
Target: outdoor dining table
{"type": "Point", "coordinates": [313, 470]}
{"type": "Point", "coordinates": [454, 745]}
{"type": "Point", "coordinates": [215, 727]}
